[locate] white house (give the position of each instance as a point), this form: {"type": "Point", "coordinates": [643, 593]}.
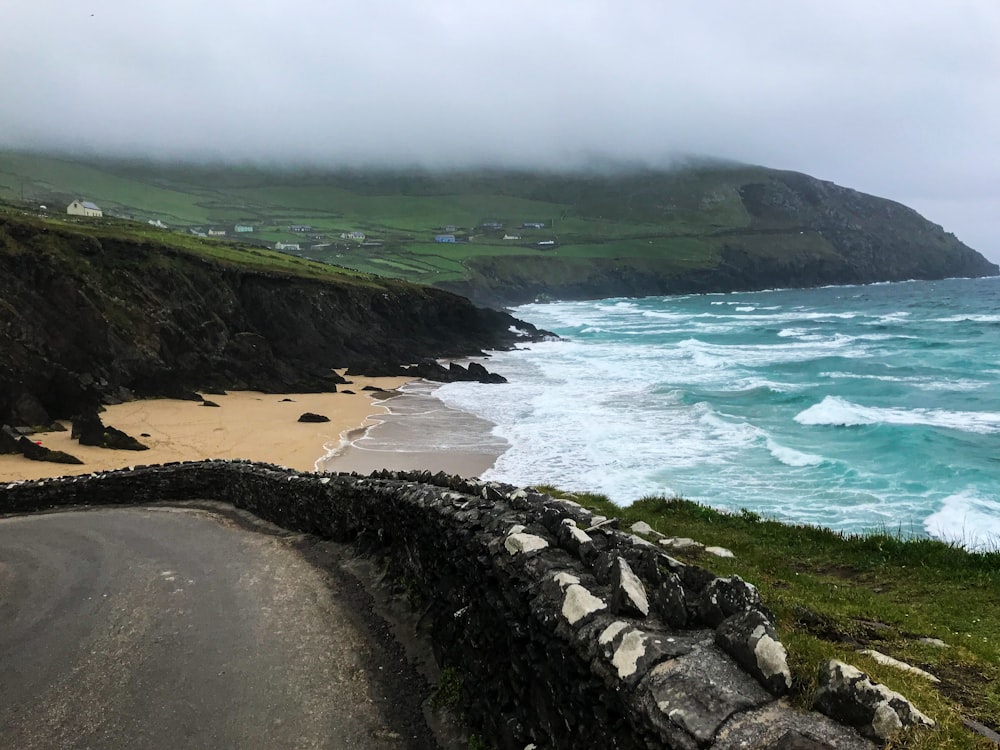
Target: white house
{"type": "Point", "coordinates": [352, 236]}
{"type": "Point", "coordinates": [287, 246]}
{"type": "Point", "coordinates": [83, 208]}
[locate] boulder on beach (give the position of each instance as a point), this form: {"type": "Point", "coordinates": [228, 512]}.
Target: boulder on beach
{"type": "Point", "coordinates": [90, 430]}
{"type": "Point", "coordinates": [36, 452]}
{"type": "Point", "coordinates": [310, 417]}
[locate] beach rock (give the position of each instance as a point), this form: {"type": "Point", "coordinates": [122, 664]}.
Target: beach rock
{"type": "Point", "coordinates": [347, 391]}
{"type": "Point", "coordinates": [480, 374]}
{"type": "Point", "coordinates": [750, 638]}
{"type": "Point", "coordinates": [56, 427]}
{"type": "Point", "coordinates": [287, 400]}
{"type": "Point", "coordinates": [9, 439]}
{"type": "Point", "coordinates": [90, 430]}
{"type": "Point", "coordinates": [35, 452]}
{"type": "Point", "coordinates": [373, 388]}
{"type": "Point", "coordinates": [310, 417]}
{"type": "Point", "coordinates": [206, 402]}
{"type": "Point", "coordinates": [848, 695]}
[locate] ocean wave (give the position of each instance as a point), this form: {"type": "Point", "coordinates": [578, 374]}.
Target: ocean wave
{"type": "Point", "coordinates": [792, 457]}
{"type": "Point", "coordinates": [839, 412]}
{"type": "Point", "coordinates": [967, 519]}
{"type": "Point", "coordinates": [967, 319]}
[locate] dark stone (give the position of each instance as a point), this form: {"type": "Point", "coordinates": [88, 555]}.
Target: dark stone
{"type": "Point", "coordinates": [35, 452]}
{"type": "Point", "coordinates": [667, 600]}
{"type": "Point", "coordinates": [750, 638]}
{"type": "Point", "coordinates": [347, 390]}
{"type": "Point", "coordinates": [724, 597]}
{"type": "Point", "coordinates": [206, 402]}
{"type": "Point", "coordinates": [373, 388]}
{"type": "Point", "coordinates": [9, 440]}
{"type": "Point", "coordinates": [56, 427]}
{"type": "Point", "coordinates": [851, 697]}
{"type": "Point", "coordinates": [310, 417]}
{"type": "Point", "coordinates": [29, 410]}
{"type": "Point", "coordinates": [90, 430]}
{"type": "Point", "coordinates": [291, 400]}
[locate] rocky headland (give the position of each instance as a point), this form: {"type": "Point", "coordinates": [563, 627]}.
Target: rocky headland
{"type": "Point", "coordinates": [89, 317]}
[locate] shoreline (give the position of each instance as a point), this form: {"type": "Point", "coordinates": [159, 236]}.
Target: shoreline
{"type": "Point", "coordinates": [247, 424]}
{"type": "Point", "coordinates": [418, 431]}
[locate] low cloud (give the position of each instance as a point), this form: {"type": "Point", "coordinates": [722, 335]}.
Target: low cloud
{"type": "Point", "coordinates": [899, 99]}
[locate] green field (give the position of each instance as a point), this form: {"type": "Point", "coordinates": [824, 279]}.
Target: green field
{"type": "Point", "coordinates": [700, 226]}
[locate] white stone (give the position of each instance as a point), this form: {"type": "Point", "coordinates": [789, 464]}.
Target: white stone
{"type": "Point", "coordinates": [578, 534]}
{"type": "Point", "coordinates": [897, 664]}
{"type": "Point", "coordinates": [579, 603]}
{"type": "Point", "coordinates": [521, 543]}
{"type": "Point", "coordinates": [936, 642]}
{"type": "Point", "coordinates": [516, 529]}
{"type": "Point", "coordinates": [629, 651]}
{"type": "Point", "coordinates": [641, 527]}
{"type": "Point", "coordinates": [565, 579]}
{"type": "Point", "coordinates": [885, 722]}
{"type": "Point", "coordinates": [719, 552]}
{"type": "Point", "coordinates": [681, 543]}
{"type": "Point", "coordinates": [610, 632]}
{"type": "Point", "coordinates": [633, 587]}
{"type": "Point", "coordinates": [771, 656]}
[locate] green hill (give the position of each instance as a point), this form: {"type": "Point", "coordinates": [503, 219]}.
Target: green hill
{"type": "Point", "coordinates": [523, 235]}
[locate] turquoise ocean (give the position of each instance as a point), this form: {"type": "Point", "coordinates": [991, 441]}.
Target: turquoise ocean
{"type": "Point", "coordinates": [854, 407]}
{"type": "Point", "coordinates": [857, 408]}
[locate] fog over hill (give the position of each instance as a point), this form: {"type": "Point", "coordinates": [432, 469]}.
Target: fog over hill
{"type": "Point", "coordinates": [893, 99]}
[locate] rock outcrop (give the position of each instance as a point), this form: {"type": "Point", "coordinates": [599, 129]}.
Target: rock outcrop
{"type": "Point", "coordinates": [89, 319]}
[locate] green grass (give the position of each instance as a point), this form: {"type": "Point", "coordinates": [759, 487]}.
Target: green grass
{"type": "Point", "coordinates": [832, 594]}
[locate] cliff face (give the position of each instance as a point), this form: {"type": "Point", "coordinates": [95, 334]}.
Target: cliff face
{"type": "Point", "coordinates": [85, 318]}
{"type": "Point", "coordinates": [771, 229]}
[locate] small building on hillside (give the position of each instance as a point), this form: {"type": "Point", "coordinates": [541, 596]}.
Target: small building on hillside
{"type": "Point", "coordinates": [83, 208]}
{"type": "Point", "coordinates": [511, 236]}
{"type": "Point", "coordinates": [492, 225]}
{"type": "Point", "coordinates": [302, 228]}
{"type": "Point", "coordinates": [287, 246]}
{"type": "Point", "coordinates": [240, 228]}
{"type": "Point", "coordinates": [216, 232]}
{"type": "Point", "coordinates": [444, 238]}
{"type": "Point", "coordinates": [352, 236]}
{"type": "Point", "coordinates": [533, 225]}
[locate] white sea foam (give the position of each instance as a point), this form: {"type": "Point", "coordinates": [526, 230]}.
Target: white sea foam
{"type": "Point", "coordinates": [837, 411]}
{"type": "Point", "coordinates": [969, 519]}
{"type": "Point", "coordinates": [745, 308]}
{"type": "Point", "coordinates": [792, 457]}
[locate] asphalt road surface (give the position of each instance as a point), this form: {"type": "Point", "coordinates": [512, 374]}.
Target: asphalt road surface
{"type": "Point", "coordinates": [180, 627]}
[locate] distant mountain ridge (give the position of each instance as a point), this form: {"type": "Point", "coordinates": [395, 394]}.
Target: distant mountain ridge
{"type": "Point", "coordinates": [503, 237]}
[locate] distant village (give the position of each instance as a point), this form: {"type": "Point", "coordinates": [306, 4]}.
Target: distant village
{"type": "Point", "coordinates": [317, 239]}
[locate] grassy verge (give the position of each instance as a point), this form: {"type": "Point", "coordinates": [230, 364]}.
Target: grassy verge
{"type": "Point", "coordinates": [834, 594]}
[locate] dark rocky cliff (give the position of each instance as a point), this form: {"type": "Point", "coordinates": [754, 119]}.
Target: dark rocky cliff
{"type": "Point", "coordinates": [780, 229]}
{"type": "Point", "coordinates": [85, 318]}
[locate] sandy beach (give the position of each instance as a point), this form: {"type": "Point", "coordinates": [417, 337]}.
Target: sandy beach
{"type": "Point", "coordinates": [247, 424]}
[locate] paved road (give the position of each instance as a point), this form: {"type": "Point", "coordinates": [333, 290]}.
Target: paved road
{"type": "Point", "coordinates": [182, 628]}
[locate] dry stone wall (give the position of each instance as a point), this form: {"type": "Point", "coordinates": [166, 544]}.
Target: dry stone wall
{"type": "Point", "coordinates": [567, 632]}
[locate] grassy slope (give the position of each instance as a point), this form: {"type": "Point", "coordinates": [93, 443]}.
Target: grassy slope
{"type": "Point", "coordinates": [833, 594]}
{"type": "Point", "coordinates": [589, 221]}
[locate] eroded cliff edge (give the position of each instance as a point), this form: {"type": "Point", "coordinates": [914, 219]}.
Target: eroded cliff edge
{"type": "Point", "coordinates": [86, 317]}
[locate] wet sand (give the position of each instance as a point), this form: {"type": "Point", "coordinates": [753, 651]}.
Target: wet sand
{"type": "Point", "coordinates": [419, 432]}
{"type": "Point", "coordinates": [247, 424]}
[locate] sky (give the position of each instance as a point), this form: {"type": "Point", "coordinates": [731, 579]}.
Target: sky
{"type": "Point", "coordinates": [898, 98]}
